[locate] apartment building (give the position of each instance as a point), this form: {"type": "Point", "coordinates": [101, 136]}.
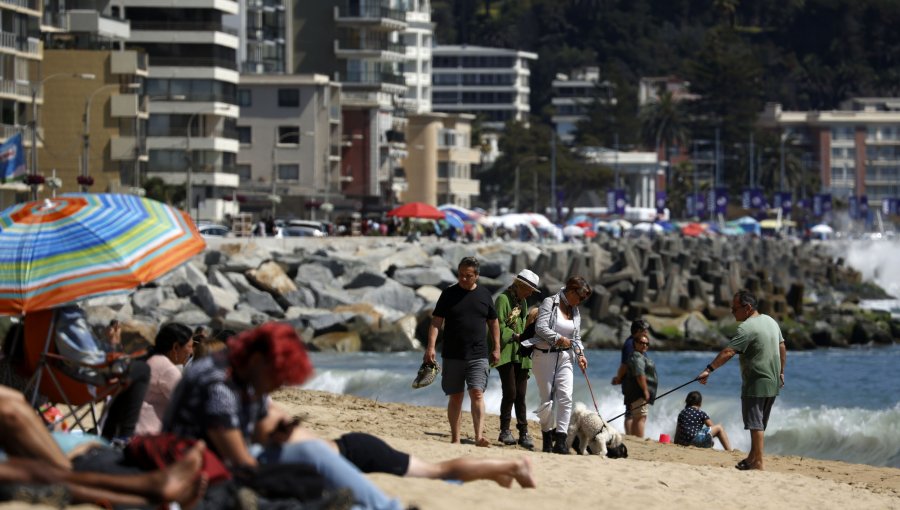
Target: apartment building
{"type": "Point", "coordinates": [192, 84]}
{"type": "Point", "coordinates": [855, 148]}
{"type": "Point", "coordinates": [438, 169]}
{"type": "Point", "coordinates": [94, 96]}
{"type": "Point", "coordinates": [21, 90]}
{"type": "Point", "coordinates": [418, 38]}
{"type": "Point", "coordinates": [491, 83]}
{"type": "Point", "coordinates": [358, 44]}
{"type": "Point", "coordinates": [573, 97]}
{"type": "Point", "coordinates": [290, 136]}
{"type": "Point", "coordinates": [638, 173]}
{"type": "Point", "coordinates": [263, 27]}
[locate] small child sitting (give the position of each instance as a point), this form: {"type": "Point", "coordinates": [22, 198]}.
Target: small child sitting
{"type": "Point", "coordinates": [695, 428]}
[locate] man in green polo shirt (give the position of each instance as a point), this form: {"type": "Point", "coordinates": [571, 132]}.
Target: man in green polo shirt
{"type": "Point", "coordinates": [763, 356]}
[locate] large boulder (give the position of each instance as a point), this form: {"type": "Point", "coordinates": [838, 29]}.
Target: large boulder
{"type": "Point", "coordinates": [437, 276]}
{"type": "Point", "coordinates": [337, 341]}
{"type": "Point", "coordinates": [262, 302]}
{"type": "Point", "coordinates": [271, 278]}
{"type": "Point", "coordinates": [215, 301]}
{"type": "Point", "coordinates": [146, 301]}
{"type": "Point", "coordinates": [243, 256]}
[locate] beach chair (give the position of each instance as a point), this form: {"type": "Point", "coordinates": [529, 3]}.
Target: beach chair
{"type": "Point", "coordinates": [77, 386]}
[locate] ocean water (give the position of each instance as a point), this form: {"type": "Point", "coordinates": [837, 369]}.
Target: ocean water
{"type": "Point", "coordinates": [837, 404]}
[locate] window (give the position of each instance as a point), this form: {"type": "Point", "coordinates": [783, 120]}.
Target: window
{"type": "Point", "coordinates": [443, 169]}
{"type": "Point", "coordinates": [289, 172]}
{"type": "Point", "coordinates": [289, 98]}
{"type": "Point", "coordinates": [244, 135]}
{"type": "Point", "coordinates": [288, 135]}
{"type": "Point", "coordinates": [243, 172]}
{"type": "Point", "coordinates": [244, 97]}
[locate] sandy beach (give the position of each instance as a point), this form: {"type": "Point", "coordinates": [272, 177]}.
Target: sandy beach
{"type": "Point", "coordinates": [659, 475]}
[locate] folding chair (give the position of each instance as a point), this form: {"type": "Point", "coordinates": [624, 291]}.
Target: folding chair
{"type": "Point", "coordinates": [78, 386]}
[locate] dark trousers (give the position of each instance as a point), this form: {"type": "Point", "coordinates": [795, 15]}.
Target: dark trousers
{"type": "Point", "coordinates": [125, 409]}
{"type": "Point", "coordinates": [514, 381]}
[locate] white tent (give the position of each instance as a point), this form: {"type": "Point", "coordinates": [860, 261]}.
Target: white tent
{"type": "Point", "coordinates": [822, 229]}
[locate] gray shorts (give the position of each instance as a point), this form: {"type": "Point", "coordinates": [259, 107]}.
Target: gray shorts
{"type": "Point", "coordinates": [755, 411]}
{"type": "Point", "coordinates": [458, 374]}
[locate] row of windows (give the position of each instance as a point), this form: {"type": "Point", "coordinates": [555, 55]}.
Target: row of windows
{"type": "Point", "coordinates": [882, 153]}
{"type": "Point", "coordinates": [192, 90]}
{"type": "Point", "coordinates": [883, 133]}
{"type": "Point", "coordinates": [453, 170]}
{"type": "Point", "coordinates": [475, 79]}
{"type": "Point", "coordinates": [882, 173]}
{"type": "Point", "coordinates": [473, 62]}
{"type": "Point", "coordinates": [452, 138]}
{"type": "Point", "coordinates": [286, 172]}
{"type": "Point", "coordinates": [287, 135]}
{"type": "Point", "coordinates": [474, 97]}
{"type": "Point", "coordinates": [287, 98]}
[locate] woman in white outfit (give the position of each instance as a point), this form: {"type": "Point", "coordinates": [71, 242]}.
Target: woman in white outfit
{"type": "Point", "coordinates": [556, 347]}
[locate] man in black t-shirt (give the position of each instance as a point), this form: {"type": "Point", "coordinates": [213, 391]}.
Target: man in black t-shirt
{"type": "Point", "coordinates": [463, 310]}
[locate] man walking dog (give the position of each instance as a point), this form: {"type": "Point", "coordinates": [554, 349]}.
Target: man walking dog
{"type": "Point", "coordinates": [763, 356]}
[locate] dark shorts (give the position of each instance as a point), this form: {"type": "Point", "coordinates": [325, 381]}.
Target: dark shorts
{"type": "Point", "coordinates": [755, 411]}
{"type": "Point", "coordinates": [461, 373]}
{"type": "Point", "coordinates": [372, 455]}
{"type": "Point", "coordinates": [703, 439]}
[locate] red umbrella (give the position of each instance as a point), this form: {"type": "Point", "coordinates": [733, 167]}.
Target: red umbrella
{"type": "Point", "coordinates": [693, 229]}
{"type": "Point", "coordinates": [417, 210]}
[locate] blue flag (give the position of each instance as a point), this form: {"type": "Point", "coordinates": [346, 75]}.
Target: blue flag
{"type": "Point", "coordinates": [12, 158]}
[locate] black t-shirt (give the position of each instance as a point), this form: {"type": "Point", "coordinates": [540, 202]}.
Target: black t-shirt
{"type": "Point", "coordinates": [465, 314]}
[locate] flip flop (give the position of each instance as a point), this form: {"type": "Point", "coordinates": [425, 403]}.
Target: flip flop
{"type": "Point", "coordinates": [483, 443]}
{"type": "Point", "coordinates": [743, 465]}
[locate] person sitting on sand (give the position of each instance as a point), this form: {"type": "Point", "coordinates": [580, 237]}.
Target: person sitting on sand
{"type": "Point", "coordinates": [695, 428]}
{"type": "Point", "coordinates": [224, 400]}
{"type": "Point", "coordinates": [34, 466]}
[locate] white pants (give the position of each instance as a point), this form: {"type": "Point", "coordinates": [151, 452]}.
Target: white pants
{"type": "Point", "coordinates": [544, 364]}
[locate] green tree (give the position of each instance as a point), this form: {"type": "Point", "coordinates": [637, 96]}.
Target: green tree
{"type": "Point", "coordinates": [157, 189]}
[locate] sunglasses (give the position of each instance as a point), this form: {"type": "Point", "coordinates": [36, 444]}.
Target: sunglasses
{"type": "Point", "coordinates": [642, 343]}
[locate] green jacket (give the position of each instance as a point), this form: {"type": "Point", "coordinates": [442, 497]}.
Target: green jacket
{"type": "Point", "coordinates": [512, 320]}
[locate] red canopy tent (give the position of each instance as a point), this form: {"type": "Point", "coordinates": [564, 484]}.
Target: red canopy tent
{"type": "Point", "coordinates": [417, 210]}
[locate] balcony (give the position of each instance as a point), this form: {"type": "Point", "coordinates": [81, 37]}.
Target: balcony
{"type": "Point", "coordinates": [376, 14]}
{"type": "Point", "coordinates": [33, 5]}
{"type": "Point", "coordinates": [188, 61]}
{"type": "Point", "coordinates": [14, 42]}
{"type": "Point", "coordinates": [54, 21]}
{"type": "Point", "coordinates": [93, 22]}
{"type": "Point", "coordinates": [372, 78]}
{"type": "Point", "coordinates": [183, 26]}
{"type": "Point", "coordinates": [353, 46]}
{"type": "Point", "coordinates": [12, 88]}
{"type": "Point", "coordinates": [129, 62]}
{"type": "Point", "coordinates": [124, 148]}
{"type": "Point", "coordinates": [129, 106]}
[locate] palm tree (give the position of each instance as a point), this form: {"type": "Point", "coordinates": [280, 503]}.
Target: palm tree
{"type": "Point", "coordinates": [664, 124]}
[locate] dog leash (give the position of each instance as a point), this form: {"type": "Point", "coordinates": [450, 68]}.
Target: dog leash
{"type": "Point", "coordinates": [655, 399]}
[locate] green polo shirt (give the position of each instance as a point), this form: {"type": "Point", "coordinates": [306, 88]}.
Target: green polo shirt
{"type": "Point", "coordinates": [757, 341]}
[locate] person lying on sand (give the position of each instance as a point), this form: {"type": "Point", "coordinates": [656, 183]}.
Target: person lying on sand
{"type": "Point", "coordinates": [37, 468]}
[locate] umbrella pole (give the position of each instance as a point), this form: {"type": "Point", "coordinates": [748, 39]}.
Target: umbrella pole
{"type": "Point", "coordinates": [42, 363]}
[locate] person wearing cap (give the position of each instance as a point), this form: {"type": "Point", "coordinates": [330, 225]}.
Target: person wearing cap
{"type": "Point", "coordinates": [513, 368]}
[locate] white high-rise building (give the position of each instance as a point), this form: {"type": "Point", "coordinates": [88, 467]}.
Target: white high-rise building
{"type": "Point", "coordinates": [192, 84]}
{"type": "Point", "coordinates": [418, 39]}
{"type": "Point", "coordinates": [492, 83]}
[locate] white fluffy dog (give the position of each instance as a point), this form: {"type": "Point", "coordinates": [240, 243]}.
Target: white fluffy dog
{"type": "Point", "coordinates": [592, 431]}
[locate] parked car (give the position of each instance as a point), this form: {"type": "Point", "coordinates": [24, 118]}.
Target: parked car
{"type": "Point", "coordinates": [298, 231]}
{"type": "Point", "coordinates": [212, 230]}
{"type": "Point", "coordinates": [318, 225]}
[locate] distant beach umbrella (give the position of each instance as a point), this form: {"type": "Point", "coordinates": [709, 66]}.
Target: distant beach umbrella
{"type": "Point", "coordinates": [84, 245]}
{"type": "Point", "coordinates": [417, 210]}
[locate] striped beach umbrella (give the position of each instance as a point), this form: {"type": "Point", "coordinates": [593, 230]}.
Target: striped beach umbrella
{"type": "Point", "coordinates": [84, 245]}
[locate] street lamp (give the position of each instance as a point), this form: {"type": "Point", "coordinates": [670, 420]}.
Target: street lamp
{"type": "Point", "coordinates": [189, 158]}
{"type": "Point", "coordinates": [86, 149]}
{"type": "Point", "coordinates": [34, 118]}
{"type": "Point", "coordinates": [529, 159]}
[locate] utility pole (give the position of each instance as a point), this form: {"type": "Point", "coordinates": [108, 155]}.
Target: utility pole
{"type": "Point", "coordinates": [553, 204]}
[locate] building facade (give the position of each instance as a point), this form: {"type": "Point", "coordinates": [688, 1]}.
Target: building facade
{"type": "Point", "coordinates": [573, 97]}
{"type": "Point", "coordinates": [290, 135]}
{"type": "Point", "coordinates": [856, 149]}
{"type": "Point", "coordinates": [192, 84]}
{"type": "Point", "coordinates": [358, 44]}
{"type": "Point", "coordinates": [438, 168]}
{"type": "Point", "coordinates": [491, 83]}
{"type": "Point", "coordinates": [263, 27]}
{"type": "Point", "coordinates": [638, 173]}
{"type": "Point", "coordinates": [21, 91]}
{"type": "Point", "coordinates": [418, 38]}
